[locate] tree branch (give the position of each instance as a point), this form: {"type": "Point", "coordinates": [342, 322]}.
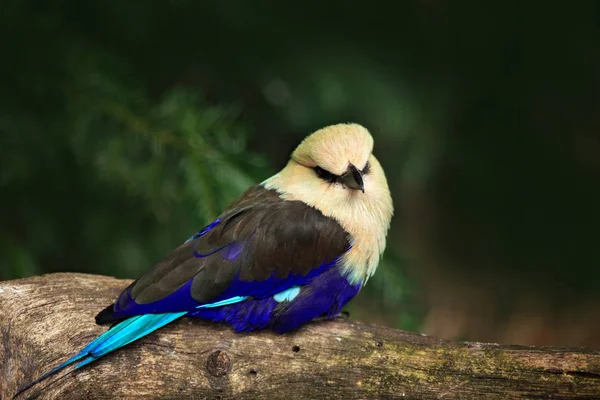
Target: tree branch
{"type": "Point", "coordinates": [45, 320]}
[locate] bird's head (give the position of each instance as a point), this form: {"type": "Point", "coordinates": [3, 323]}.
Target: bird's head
{"type": "Point", "coordinates": [335, 171]}
{"type": "Point", "coordinates": [339, 157]}
{"type": "Point", "coordinates": [335, 167]}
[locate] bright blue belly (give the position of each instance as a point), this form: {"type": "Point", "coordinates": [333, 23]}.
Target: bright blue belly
{"type": "Point", "coordinates": [324, 296]}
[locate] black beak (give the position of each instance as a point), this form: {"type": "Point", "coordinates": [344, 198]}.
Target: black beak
{"type": "Point", "coordinates": [353, 179]}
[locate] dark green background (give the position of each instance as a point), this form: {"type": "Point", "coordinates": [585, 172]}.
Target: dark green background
{"type": "Point", "coordinates": [127, 125]}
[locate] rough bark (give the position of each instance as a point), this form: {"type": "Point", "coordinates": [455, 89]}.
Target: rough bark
{"type": "Point", "coordinates": [45, 320]}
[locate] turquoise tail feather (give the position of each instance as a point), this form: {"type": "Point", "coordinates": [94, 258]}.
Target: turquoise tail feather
{"type": "Point", "coordinates": [50, 373]}
{"type": "Point", "coordinates": [116, 337]}
{"type": "Point", "coordinates": [140, 327]}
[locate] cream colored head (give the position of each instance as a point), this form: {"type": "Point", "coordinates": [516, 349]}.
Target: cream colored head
{"type": "Point", "coordinates": [334, 147]}
{"type": "Point", "coordinates": [329, 170]}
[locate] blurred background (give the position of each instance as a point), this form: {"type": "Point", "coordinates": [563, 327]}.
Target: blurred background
{"type": "Point", "coordinates": [125, 126]}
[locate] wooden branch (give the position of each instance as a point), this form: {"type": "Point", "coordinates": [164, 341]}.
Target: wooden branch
{"type": "Point", "coordinates": [45, 320]}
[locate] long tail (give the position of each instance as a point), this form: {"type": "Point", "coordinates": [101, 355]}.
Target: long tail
{"type": "Point", "coordinates": [116, 337]}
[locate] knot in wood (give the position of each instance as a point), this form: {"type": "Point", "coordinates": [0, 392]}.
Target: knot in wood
{"type": "Point", "coordinates": [218, 363]}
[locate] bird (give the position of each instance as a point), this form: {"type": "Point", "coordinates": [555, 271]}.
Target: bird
{"type": "Point", "coordinates": [294, 248]}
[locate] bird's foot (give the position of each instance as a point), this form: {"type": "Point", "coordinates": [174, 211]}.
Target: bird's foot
{"type": "Point", "coordinates": [344, 316]}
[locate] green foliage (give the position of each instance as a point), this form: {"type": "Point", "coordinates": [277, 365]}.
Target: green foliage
{"type": "Point", "coordinates": [113, 180]}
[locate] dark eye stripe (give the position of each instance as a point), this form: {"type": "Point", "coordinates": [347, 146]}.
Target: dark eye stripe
{"type": "Point", "coordinates": [326, 175]}
{"type": "Point", "coordinates": [367, 168]}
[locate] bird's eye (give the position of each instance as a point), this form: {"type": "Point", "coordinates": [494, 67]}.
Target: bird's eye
{"type": "Point", "coordinates": [325, 175]}
{"type": "Point", "coordinates": [367, 168]}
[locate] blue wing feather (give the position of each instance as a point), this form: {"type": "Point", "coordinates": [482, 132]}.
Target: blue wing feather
{"type": "Point", "coordinates": [182, 300]}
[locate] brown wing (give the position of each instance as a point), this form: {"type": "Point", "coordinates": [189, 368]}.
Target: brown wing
{"type": "Point", "coordinates": [260, 237]}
